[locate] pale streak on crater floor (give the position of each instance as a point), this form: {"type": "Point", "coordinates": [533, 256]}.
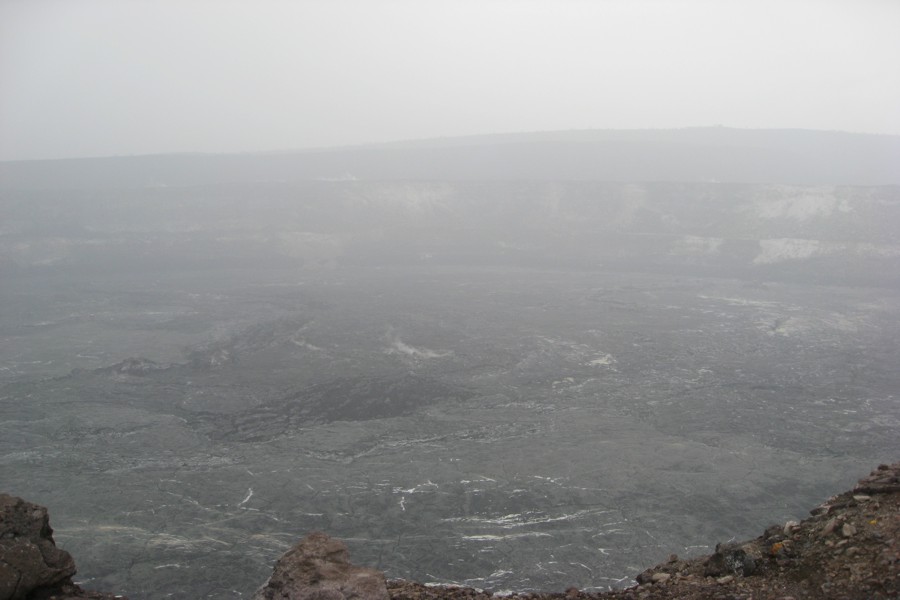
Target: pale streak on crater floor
{"type": "Point", "coordinates": [518, 461]}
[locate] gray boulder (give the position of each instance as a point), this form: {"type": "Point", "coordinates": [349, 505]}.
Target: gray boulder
{"type": "Point", "coordinates": [731, 559]}
{"type": "Point", "coordinates": [318, 568]}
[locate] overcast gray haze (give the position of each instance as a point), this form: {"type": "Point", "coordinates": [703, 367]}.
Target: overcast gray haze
{"type": "Point", "coordinates": [520, 295]}
{"type": "Point", "coordinates": [100, 78]}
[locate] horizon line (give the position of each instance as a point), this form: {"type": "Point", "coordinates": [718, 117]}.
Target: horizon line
{"type": "Point", "coordinates": [440, 138]}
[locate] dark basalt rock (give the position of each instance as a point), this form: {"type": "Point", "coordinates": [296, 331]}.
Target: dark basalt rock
{"type": "Point", "coordinates": [318, 568]}
{"type": "Point", "coordinates": [29, 558]}
{"type": "Point", "coordinates": [31, 566]}
{"type": "Point", "coordinates": [883, 480]}
{"type": "Point", "coordinates": [730, 559]}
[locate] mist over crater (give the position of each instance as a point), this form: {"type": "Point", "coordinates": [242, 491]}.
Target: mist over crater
{"type": "Point", "coordinates": [508, 381]}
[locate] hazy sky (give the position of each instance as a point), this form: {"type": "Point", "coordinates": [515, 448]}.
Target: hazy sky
{"type": "Point", "coordinates": [107, 77]}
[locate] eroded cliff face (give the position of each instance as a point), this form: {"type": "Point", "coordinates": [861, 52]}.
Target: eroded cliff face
{"type": "Point", "coordinates": [849, 548]}
{"type": "Point", "coordinates": [31, 566]}
{"type": "Point", "coordinates": [822, 234]}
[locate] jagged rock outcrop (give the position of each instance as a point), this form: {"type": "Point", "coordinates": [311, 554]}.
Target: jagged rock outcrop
{"type": "Point", "coordinates": [29, 558]}
{"type": "Point", "coordinates": [31, 566]}
{"type": "Point", "coordinates": [318, 568]}
{"type": "Point", "coordinates": [731, 559]}
{"type": "Point", "coordinates": [848, 549]}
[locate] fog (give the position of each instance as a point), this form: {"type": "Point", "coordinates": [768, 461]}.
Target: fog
{"type": "Point", "coordinates": [520, 296]}
{"type": "Point", "coordinates": [103, 78]}
{"type": "Point", "coordinates": [514, 362]}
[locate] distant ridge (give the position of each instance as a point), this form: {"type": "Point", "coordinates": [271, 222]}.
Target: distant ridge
{"type": "Point", "coordinates": [715, 135]}
{"type": "Point", "coordinates": [701, 154]}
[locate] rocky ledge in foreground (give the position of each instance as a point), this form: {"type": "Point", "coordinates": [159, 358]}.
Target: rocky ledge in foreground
{"type": "Point", "coordinates": [31, 566]}
{"type": "Point", "coordinates": [849, 549]}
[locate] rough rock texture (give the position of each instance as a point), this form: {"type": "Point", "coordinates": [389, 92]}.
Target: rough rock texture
{"type": "Point", "coordinates": [29, 558]}
{"type": "Point", "coordinates": [728, 559]}
{"type": "Point", "coordinates": [848, 550]}
{"type": "Point", "coordinates": [31, 566]}
{"type": "Point", "coordinates": [318, 568]}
